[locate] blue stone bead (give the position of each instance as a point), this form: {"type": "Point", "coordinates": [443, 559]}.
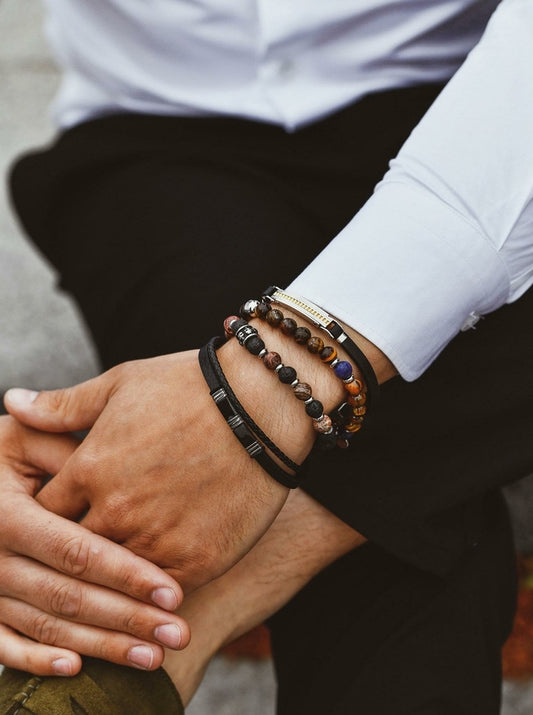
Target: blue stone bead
{"type": "Point", "coordinates": [347, 435]}
{"type": "Point", "coordinates": [343, 370]}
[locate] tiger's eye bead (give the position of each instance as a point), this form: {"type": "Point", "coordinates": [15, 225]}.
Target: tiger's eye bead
{"type": "Point", "coordinates": [274, 317]}
{"type": "Point", "coordinates": [288, 326]}
{"type": "Point", "coordinates": [359, 411]}
{"type": "Point", "coordinates": [227, 324]}
{"type": "Point", "coordinates": [286, 374]}
{"type": "Point", "coordinates": [357, 400]}
{"type": "Point", "coordinates": [343, 370]}
{"type": "Point", "coordinates": [302, 391]}
{"type": "Point", "coordinates": [302, 335]}
{"type": "Point", "coordinates": [353, 427]}
{"type": "Point", "coordinates": [315, 345]}
{"type": "Point", "coordinates": [328, 354]}
{"type": "Point", "coordinates": [314, 409]}
{"type": "Point", "coordinates": [354, 388]}
{"type": "Point", "coordinates": [261, 310]}
{"type": "Point", "coordinates": [254, 345]}
{"type": "Point", "coordinates": [272, 360]}
{"type": "Point", "coordinates": [323, 424]}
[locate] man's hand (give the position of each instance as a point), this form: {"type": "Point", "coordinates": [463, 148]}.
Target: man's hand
{"type": "Point", "coordinates": [160, 471]}
{"type": "Point", "coordinates": [47, 614]}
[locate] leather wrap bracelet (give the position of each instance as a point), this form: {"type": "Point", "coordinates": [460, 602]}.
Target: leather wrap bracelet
{"type": "Point", "coordinates": [236, 416]}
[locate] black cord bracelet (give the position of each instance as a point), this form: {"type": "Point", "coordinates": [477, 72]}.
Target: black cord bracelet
{"type": "Point", "coordinates": [236, 416]}
{"type": "Point", "coordinates": [212, 347]}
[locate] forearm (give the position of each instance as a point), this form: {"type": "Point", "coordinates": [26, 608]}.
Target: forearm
{"type": "Point", "coordinates": [304, 539]}
{"type": "Point", "coordinates": [448, 231]}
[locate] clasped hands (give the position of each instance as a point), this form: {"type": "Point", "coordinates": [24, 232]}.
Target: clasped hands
{"type": "Point", "coordinates": [162, 476]}
{"type": "Point", "coordinates": [159, 473]}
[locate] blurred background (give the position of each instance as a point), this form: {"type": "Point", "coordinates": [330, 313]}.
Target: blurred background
{"type": "Point", "coordinates": [43, 344]}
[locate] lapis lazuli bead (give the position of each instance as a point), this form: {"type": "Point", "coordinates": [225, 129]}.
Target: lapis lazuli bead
{"type": "Point", "coordinates": [343, 370]}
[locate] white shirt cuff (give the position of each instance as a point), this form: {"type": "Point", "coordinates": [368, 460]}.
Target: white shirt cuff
{"type": "Point", "coordinates": [406, 273]}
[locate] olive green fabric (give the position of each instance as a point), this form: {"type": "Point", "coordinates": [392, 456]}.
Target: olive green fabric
{"type": "Point", "coordinates": [99, 689]}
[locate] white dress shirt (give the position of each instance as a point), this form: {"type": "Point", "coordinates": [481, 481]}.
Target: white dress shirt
{"type": "Point", "coordinates": [449, 232]}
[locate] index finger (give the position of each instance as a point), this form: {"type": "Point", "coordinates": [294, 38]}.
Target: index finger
{"type": "Point", "coordinates": [70, 548]}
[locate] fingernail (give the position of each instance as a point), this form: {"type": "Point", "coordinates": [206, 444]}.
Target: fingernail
{"type": "Point", "coordinates": [19, 397]}
{"type": "Point", "coordinates": [165, 598]}
{"type": "Point", "coordinates": [62, 666]}
{"type": "Point", "coordinates": [169, 635]}
{"type": "Point", "coordinates": [141, 657]}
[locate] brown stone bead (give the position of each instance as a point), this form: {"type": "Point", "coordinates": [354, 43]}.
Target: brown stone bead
{"type": "Point", "coordinates": [323, 424]}
{"type": "Point", "coordinates": [227, 323]}
{"type": "Point", "coordinates": [288, 326]}
{"type": "Point", "coordinates": [354, 388]}
{"type": "Point", "coordinates": [272, 360]}
{"type": "Point", "coordinates": [357, 400]}
{"type": "Point", "coordinates": [274, 317]}
{"type": "Point", "coordinates": [328, 354]}
{"type": "Point", "coordinates": [315, 345]}
{"type": "Point", "coordinates": [302, 391]}
{"type": "Point", "coordinates": [353, 427]}
{"type": "Point", "coordinates": [302, 335]}
{"type": "Point", "coordinates": [359, 411]}
{"type": "Point", "coordinates": [342, 443]}
{"type": "Point", "coordinates": [261, 310]}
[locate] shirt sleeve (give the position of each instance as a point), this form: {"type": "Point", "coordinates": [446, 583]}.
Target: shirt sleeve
{"type": "Point", "coordinates": [448, 233]}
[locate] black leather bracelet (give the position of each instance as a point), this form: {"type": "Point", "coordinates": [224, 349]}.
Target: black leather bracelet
{"type": "Point", "coordinates": [334, 329]}
{"type": "Point", "coordinates": [235, 415]}
{"type": "Point", "coordinates": [265, 439]}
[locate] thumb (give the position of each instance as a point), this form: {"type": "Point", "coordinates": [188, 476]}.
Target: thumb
{"type": "Point", "coordinates": [67, 410]}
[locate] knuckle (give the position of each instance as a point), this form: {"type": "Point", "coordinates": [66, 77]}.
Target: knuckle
{"type": "Point", "coordinates": [57, 400]}
{"type": "Point", "coordinates": [133, 623]}
{"type": "Point", "coordinates": [145, 542]}
{"type": "Point", "coordinates": [85, 464]}
{"type": "Point", "coordinates": [75, 556]}
{"type": "Point", "coordinates": [196, 565]}
{"type": "Point", "coordinates": [122, 371]}
{"type": "Point", "coordinates": [116, 513]}
{"type": "Point", "coordinates": [66, 600]}
{"type": "Point", "coordinates": [45, 629]}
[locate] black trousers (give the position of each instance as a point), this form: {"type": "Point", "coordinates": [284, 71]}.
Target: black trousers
{"type": "Point", "coordinates": [160, 227]}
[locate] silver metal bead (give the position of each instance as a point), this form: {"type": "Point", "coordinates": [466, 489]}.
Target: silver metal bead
{"type": "Point", "coordinates": [262, 353]}
{"type": "Point", "coordinates": [295, 382]}
{"type": "Point", "coordinates": [278, 368]}
{"type": "Point", "coordinates": [332, 364]}
{"type": "Point", "coordinates": [251, 306]}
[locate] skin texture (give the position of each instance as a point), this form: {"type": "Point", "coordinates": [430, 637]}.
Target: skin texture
{"type": "Point", "coordinates": [303, 540]}
{"type": "Point", "coordinates": [161, 474]}
{"type": "Point", "coordinates": [51, 570]}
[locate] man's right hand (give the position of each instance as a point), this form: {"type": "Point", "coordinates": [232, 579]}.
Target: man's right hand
{"type": "Point", "coordinates": [63, 590]}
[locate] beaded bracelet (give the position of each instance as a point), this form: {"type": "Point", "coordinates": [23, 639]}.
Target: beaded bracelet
{"type": "Point", "coordinates": [248, 337]}
{"type": "Point", "coordinates": [334, 329]}
{"type": "Point", "coordinates": [235, 415]}
{"type": "Point", "coordinates": [348, 417]}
